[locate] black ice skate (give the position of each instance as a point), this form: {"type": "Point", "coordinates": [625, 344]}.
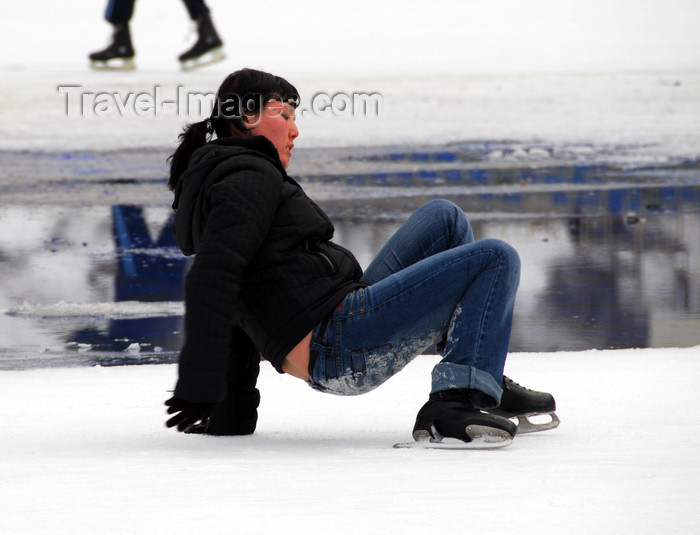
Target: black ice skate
{"type": "Point", "coordinates": [119, 54]}
{"type": "Point", "coordinates": [449, 421]}
{"type": "Point", "coordinates": [522, 404]}
{"type": "Point", "coordinates": [208, 48]}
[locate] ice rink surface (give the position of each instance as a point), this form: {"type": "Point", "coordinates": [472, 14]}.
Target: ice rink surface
{"type": "Point", "coordinates": [85, 450]}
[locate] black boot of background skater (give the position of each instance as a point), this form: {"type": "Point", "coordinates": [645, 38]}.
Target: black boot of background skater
{"type": "Point", "coordinates": [119, 54]}
{"type": "Point", "coordinates": [207, 49]}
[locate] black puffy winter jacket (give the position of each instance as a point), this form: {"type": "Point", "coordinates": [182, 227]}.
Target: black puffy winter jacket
{"type": "Point", "coordinates": [264, 262]}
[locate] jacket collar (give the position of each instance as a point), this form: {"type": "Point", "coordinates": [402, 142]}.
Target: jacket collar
{"type": "Point", "coordinates": [257, 143]}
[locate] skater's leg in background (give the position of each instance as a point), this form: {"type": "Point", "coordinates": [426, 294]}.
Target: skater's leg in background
{"type": "Point", "coordinates": [196, 8]}
{"type": "Point", "coordinates": [119, 11]}
{"type": "Point", "coordinates": [436, 226]}
{"type": "Point", "coordinates": [119, 53]}
{"type": "Point", "coordinates": [208, 48]}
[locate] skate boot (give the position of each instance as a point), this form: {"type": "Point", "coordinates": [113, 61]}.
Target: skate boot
{"type": "Point", "coordinates": [207, 49]}
{"type": "Point", "coordinates": [450, 421]}
{"type": "Point", "coordinates": [119, 55]}
{"type": "Point", "coordinates": [521, 404]}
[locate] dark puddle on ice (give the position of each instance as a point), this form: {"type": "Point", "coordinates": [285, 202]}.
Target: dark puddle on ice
{"type": "Point", "coordinates": [611, 254]}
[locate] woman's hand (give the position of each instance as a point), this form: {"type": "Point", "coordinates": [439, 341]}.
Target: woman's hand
{"type": "Point", "coordinates": [188, 414]}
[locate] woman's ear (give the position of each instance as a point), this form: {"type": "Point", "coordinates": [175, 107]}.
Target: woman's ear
{"type": "Point", "coordinates": [250, 120]}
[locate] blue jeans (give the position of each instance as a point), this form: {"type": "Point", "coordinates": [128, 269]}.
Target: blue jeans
{"type": "Point", "coordinates": [431, 284]}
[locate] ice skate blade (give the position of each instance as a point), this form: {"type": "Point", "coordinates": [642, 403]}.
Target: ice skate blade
{"type": "Point", "coordinates": [114, 64]}
{"type": "Point", "coordinates": [482, 438]}
{"type": "Point", "coordinates": [213, 56]}
{"type": "Point", "coordinates": [526, 425]}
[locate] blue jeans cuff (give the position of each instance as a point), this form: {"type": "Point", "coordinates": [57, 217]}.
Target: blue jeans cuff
{"type": "Point", "coordinates": [447, 375]}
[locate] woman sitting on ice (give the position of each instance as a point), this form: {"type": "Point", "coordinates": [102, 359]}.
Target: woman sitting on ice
{"type": "Point", "coordinates": [267, 280]}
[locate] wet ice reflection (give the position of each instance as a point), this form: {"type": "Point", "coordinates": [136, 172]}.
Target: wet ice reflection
{"type": "Point", "coordinates": [104, 284]}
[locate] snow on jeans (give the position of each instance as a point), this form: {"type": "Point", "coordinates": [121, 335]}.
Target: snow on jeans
{"type": "Point", "coordinates": [431, 284]}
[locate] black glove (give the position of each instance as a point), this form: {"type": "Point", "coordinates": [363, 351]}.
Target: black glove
{"type": "Point", "coordinates": [188, 414]}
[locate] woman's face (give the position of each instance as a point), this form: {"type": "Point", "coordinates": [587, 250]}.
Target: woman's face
{"type": "Point", "coordinates": [276, 123]}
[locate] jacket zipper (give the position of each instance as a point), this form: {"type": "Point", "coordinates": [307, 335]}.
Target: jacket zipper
{"type": "Point", "coordinates": [321, 254]}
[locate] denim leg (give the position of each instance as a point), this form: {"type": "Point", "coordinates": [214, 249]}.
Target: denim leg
{"type": "Point", "coordinates": [436, 226]}
{"type": "Point", "coordinates": [479, 333]}
{"type": "Point", "coordinates": [464, 294]}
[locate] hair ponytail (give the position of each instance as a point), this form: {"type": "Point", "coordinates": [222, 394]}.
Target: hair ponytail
{"type": "Point", "coordinates": [192, 137]}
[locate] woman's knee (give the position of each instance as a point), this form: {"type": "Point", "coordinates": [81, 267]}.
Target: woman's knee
{"type": "Point", "coordinates": [442, 207]}
{"type": "Point", "coordinates": [453, 217]}
{"type": "Point", "coordinates": [506, 253]}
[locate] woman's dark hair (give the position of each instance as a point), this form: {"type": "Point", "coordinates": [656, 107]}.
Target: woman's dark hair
{"type": "Point", "coordinates": [243, 93]}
